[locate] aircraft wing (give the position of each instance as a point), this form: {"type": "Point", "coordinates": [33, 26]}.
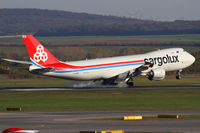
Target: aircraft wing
{"type": "Point", "coordinates": [17, 61]}
{"type": "Point", "coordinates": [144, 67]}
{"type": "Point", "coordinates": [138, 71]}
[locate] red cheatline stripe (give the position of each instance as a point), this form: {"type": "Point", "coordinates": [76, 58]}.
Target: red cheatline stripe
{"type": "Point", "coordinates": [64, 66]}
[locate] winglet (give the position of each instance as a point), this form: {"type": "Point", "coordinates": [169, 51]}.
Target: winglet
{"type": "Point", "coordinates": [37, 52]}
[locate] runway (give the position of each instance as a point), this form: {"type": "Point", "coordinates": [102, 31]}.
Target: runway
{"type": "Point", "coordinates": [76, 121]}
{"type": "Point", "coordinates": [171, 87]}
{"type": "Point", "coordinates": [58, 122]}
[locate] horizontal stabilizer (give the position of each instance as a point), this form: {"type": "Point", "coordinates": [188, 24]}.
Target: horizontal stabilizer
{"type": "Point", "coordinates": [17, 61]}
{"type": "Point", "coordinates": [14, 36]}
{"type": "Point", "coordinates": [24, 68]}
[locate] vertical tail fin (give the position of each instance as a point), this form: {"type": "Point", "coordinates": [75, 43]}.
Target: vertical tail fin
{"type": "Point", "coordinates": [37, 52]}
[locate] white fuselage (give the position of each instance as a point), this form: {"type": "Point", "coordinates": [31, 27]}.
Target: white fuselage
{"type": "Point", "coordinates": [167, 59]}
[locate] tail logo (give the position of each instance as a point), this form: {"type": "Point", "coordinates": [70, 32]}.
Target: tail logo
{"type": "Point", "coordinates": [40, 54]}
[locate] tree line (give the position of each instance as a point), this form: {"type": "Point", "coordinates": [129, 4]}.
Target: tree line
{"type": "Point", "coordinates": [63, 23]}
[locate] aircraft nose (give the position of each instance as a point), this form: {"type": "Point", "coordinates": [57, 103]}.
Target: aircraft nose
{"type": "Point", "coordinates": [192, 59]}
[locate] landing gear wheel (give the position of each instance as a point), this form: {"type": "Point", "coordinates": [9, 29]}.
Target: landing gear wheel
{"type": "Point", "coordinates": [178, 74]}
{"type": "Point", "coordinates": [178, 77]}
{"type": "Point", "coordinates": [130, 84]}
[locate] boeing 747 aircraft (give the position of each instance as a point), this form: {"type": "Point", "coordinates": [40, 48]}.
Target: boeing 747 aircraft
{"type": "Point", "coordinates": [153, 65]}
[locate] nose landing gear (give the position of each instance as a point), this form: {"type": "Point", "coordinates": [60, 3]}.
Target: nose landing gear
{"type": "Point", "coordinates": [178, 74]}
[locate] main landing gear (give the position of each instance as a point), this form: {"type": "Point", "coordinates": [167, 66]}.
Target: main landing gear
{"type": "Point", "coordinates": [178, 74]}
{"type": "Point", "coordinates": [125, 83]}
{"type": "Point", "coordinates": [130, 84]}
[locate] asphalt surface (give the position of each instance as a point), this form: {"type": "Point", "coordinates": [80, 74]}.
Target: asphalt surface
{"type": "Point", "coordinates": [102, 88]}
{"type": "Point", "coordinates": [78, 121]}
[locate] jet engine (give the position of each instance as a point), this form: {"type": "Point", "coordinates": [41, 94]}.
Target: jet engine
{"type": "Point", "coordinates": [156, 75]}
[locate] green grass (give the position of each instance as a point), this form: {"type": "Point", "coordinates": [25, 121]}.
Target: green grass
{"type": "Point", "coordinates": [115, 100]}
{"type": "Point", "coordinates": [15, 83]}
{"type": "Point", "coordinates": [174, 38]}
{"type": "Point", "coordinates": [186, 80]}
{"type": "Point", "coordinates": [84, 38]}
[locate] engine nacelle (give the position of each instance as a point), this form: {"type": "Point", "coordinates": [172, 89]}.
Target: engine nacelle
{"type": "Point", "coordinates": [156, 75]}
{"type": "Point", "coordinates": [33, 67]}
{"type": "Point", "coordinates": [37, 70]}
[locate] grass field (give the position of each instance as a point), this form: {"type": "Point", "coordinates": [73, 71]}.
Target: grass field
{"type": "Point", "coordinates": [15, 83]}
{"type": "Point", "coordinates": [174, 38]}
{"type": "Point", "coordinates": [115, 100]}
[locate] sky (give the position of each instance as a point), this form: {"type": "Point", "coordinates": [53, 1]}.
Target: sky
{"type": "Point", "coordinates": [161, 10]}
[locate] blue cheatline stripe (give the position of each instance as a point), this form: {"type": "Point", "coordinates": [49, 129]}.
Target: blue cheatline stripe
{"type": "Point", "coordinates": [36, 64]}
{"type": "Point", "coordinates": [92, 68]}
